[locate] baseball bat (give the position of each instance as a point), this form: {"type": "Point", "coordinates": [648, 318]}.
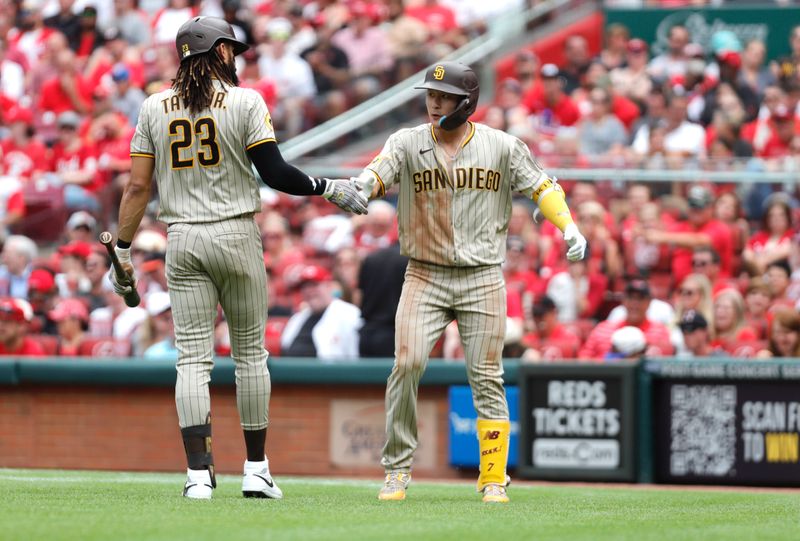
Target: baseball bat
{"type": "Point", "coordinates": [131, 299]}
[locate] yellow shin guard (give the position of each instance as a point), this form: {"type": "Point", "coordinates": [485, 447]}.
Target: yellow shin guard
{"type": "Point", "coordinates": [493, 436]}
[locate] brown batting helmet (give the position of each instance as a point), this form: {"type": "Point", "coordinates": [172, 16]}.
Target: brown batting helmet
{"type": "Point", "coordinates": [201, 34]}
{"type": "Point", "coordinates": [458, 79]}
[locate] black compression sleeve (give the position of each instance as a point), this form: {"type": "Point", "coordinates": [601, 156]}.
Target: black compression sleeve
{"type": "Point", "coordinates": [281, 176]}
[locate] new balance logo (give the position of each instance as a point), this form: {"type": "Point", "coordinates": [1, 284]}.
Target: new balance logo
{"type": "Point", "coordinates": [491, 435]}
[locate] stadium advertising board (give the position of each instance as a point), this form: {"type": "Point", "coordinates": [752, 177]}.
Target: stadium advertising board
{"type": "Point", "coordinates": [577, 421]}
{"type": "Point", "coordinates": [358, 432]}
{"type": "Point", "coordinates": [464, 451]}
{"type": "Point", "coordinates": [770, 24]}
{"type": "Point", "coordinates": [735, 423]}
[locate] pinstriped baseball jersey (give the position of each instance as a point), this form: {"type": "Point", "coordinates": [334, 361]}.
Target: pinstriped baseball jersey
{"type": "Point", "coordinates": [454, 210]}
{"type": "Point", "coordinates": [201, 171]}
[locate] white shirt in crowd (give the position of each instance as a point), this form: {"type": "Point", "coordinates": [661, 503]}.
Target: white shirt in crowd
{"type": "Point", "coordinates": [335, 335]}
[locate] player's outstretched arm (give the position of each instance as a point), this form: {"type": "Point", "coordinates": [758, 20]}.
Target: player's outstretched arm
{"type": "Point", "coordinates": [549, 197]}
{"type": "Point", "coordinates": [284, 177]}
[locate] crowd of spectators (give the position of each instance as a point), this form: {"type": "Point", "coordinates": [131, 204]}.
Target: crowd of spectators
{"type": "Point", "coordinates": [672, 269]}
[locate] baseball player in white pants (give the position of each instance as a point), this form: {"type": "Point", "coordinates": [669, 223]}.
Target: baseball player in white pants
{"type": "Point", "coordinates": [456, 180]}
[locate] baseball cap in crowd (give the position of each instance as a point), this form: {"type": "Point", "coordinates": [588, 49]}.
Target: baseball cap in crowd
{"type": "Point", "coordinates": [81, 219]}
{"type": "Point", "coordinates": [544, 305]}
{"type": "Point", "coordinates": [153, 262]}
{"type": "Point", "coordinates": [781, 112]}
{"type": "Point", "coordinates": [699, 197]}
{"type": "Point", "coordinates": [77, 249]}
{"type": "Point", "coordinates": [629, 341]}
{"type": "Point", "coordinates": [150, 241]}
{"type": "Point", "coordinates": [694, 50]}
{"type": "Point", "coordinates": [70, 308]}
{"type": "Point", "coordinates": [11, 310]}
{"type": "Point", "coordinates": [549, 71]}
{"type": "Point", "coordinates": [312, 273]}
{"type": "Point", "coordinates": [725, 40]}
{"type": "Point", "coordinates": [69, 119]}
{"type": "Point", "coordinates": [231, 5]}
{"type": "Point", "coordinates": [637, 45]}
{"type": "Point", "coordinates": [41, 281]}
{"type": "Point", "coordinates": [515, 243]}
{"type": "Point", "coordinates": [731, 58]}
{"type": "Point", "coordinates": [365, 9]}
{"type": "Point", "coordinates": [19, 114]}
{"type": "Point", "coordinates": [112, 33]}
{"type": "Point", "coordinates": [89, 11]}
{"type": "Point", "coordinates": [279, 28]}
{"type": "Point", "coordinates": [512, 84]}
{"type": "Point", "coordinates": [157, 303]}
{"type": "Point", "coordinates": [638, 286]}
{"type": "Point", "coordinates": [120, 72]}
{"type": "Point", "coordinates": [30, 6]}
{"type": "Point", "coordinates": [692, 321]}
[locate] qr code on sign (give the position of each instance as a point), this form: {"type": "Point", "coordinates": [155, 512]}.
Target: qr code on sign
{"type": "Point", "coordinates": [703, 430]}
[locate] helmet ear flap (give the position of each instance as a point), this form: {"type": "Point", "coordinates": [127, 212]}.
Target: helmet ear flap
{"type": "Point", "coordinates": [459, 115]}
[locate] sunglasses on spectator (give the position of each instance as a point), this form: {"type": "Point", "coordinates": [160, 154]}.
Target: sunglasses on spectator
{"type": "Point", "coordinates": [686, 292]}
{"type": "Point", "coordinates": [700, 262]}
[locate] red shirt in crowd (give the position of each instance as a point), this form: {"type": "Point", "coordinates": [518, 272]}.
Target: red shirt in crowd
{"type": "Point", "coordinates": [117, 149]}
{"type": "Point", "coordinates": [514, 304]}
{"type": "Point", "coordinates": [564, 112]}
{"type": "Point", "coordinates": [29, 348]}
{"type": "Point", "coordinates": [12, 200]}
{"type": "Point", "coordinates": [53, 98]}
{"type": "Point", "coordinates": [6, 103]}
{"type": "Point", "coordinates": [745, 334]}
{"type": "Point", "coordinates": [22, 161]}
{"type": "Point", "coordinates": [64, 160]}
{"type": "Point", "coordinates": [436, 18]}
{"type": "Point", "coordinates": [598, 343]}
{"type": "Point", "coordinates": [760, 239]}
{"type": "Point", "coordinates": [721, 241]}
{"type": "Point", "coordinates": [625, 110]}
{"type": "Point", "coordinates": [560, 343]}
{"type": "Point", "coordinates": [775, 148]}
{"type": "Point", "coordinates": [525, 282]}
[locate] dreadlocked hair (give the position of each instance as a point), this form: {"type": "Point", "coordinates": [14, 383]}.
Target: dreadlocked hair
{"type": "Point", "coordinates": [194, 80]}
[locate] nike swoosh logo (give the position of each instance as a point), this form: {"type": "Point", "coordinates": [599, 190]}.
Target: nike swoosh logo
{"type": "Point", "coordinates": [424, 150]}
{"type": "Point", "coordinates": [267, 481]}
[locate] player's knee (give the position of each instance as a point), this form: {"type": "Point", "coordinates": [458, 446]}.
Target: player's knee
{"type": "Point", "coordinates": [408, 362]}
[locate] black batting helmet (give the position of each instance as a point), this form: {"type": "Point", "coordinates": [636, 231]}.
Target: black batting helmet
{"type": "Point", "coordinates": [454, 78]}
{"type": "Point", "coordinates": [201, 34]}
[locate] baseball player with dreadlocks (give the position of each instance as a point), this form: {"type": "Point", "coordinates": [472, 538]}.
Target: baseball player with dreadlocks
{"type": "Point", "coordinates": [455, 180]}
{"type": "Point", "coordinates": [199, 138]}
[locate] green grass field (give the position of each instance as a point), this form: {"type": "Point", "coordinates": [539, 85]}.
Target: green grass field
{"type": "Point", "coordinates": [56, 505]}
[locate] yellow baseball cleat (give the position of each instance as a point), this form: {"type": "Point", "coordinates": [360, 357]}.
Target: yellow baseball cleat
{"type": "Point", "coordinates": [394, 487]}
{"type": "Point", "coordinates": [495, 494]}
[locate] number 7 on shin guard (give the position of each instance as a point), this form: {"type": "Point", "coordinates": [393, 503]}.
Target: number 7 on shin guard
{"type": "Point", "coordinates": [493, 438]}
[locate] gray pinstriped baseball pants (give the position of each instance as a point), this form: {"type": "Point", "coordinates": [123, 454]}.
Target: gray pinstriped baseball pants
{"type": "Point", "coordinates": [210, 264]}
{"type": "Point", "coordinates": [432, 297]}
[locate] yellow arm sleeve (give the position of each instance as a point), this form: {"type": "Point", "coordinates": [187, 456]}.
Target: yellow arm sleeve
{"type": "Point", "coordinates": [550, 198]}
